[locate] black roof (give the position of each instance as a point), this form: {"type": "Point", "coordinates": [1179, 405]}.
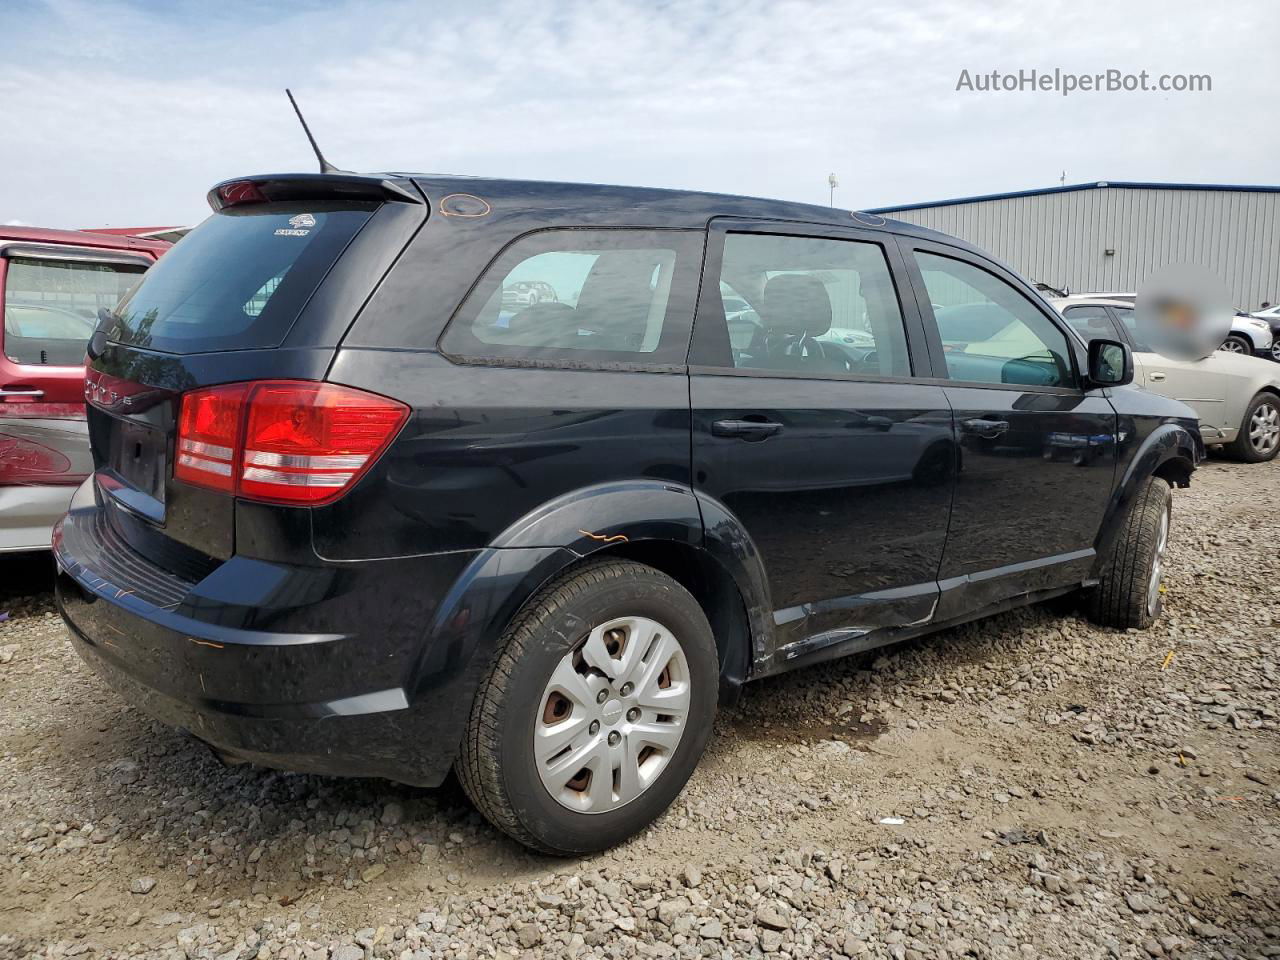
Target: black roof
{"type": "Point", "coordinates": [551, 203]}
{"type": "Point", "coordinates": [647, 206]}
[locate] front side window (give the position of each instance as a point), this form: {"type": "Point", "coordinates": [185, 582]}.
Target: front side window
{"type": "Point", "coordinates": [1091, 322]}
{"type": "Point", "coordinates": [990, 332]}
{"type": "Point", "coordinates": [582, 296]}
{"type": "Point", "coordinates": [811, 305]}
{"type": "Point", "coordinates": [51, 306]}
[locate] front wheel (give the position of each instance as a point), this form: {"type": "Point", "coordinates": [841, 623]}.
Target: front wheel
{"type": "Point", "coordinates": [1259, 438]}
{"type": "Point", "coordinates": [1130, 592]}
{"type": "Point", "coordinates": [1237, 344]}
{"type": "Point", "coordinates": [595, 712]}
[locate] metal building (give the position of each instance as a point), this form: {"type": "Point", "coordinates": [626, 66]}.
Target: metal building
{"type": "Point", "coordinates": [1108, 236]}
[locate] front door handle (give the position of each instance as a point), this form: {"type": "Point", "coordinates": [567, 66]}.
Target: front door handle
{"type": "Point", "coordinates": [26, 393]}
{"type": "Point", "coordinates": [985, 428]}
{"type": "Point", "coordinates": [1155, 376]}
{"type": "Point", "coordinates": [745, 429]}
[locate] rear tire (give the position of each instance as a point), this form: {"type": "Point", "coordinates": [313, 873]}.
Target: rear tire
{"type": "Point", "coordinates": [1130, 592]}
{"type": "Point", "coordinates": [1259, 438]}
{"type": "Point", "coordinates": [558, 753]}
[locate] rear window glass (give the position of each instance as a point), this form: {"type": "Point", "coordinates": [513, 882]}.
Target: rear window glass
{"type": "Point", "coordinates": [583, 297]}
{"type": "Point", "coordinates": [238, 280]}
{"type": "Point", "coordinates": [51, 306]}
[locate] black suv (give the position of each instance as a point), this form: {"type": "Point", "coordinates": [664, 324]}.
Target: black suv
{"type": "Point", "coordinates": [356, 512]}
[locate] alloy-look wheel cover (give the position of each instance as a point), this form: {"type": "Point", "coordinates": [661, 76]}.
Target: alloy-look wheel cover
{"type": "Point", "coordinates": [1157, 565]}
{"type": "Point", "coordinates": [1233, 346]}
{"type": "Point", "coordinates": [612, 715]}
{"type": "Point", "coordinates": [1264, 427]}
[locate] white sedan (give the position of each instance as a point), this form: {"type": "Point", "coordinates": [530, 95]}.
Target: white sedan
{"type": "Point", "coordinates": [1236, 396]}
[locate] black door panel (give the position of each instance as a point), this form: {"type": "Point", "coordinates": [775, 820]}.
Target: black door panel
{"type": "Point", "coordinates": [847, 502]}
{"type": "Point", "coordinates": [1036, 473]}
{"type": "Point", "coordinates": [1037, 454]}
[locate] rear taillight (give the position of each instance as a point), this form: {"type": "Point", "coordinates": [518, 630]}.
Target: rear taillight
{"type": "Point", "coordinates": [283, 441]}
{"type": "Point", "coordinates": [208, 430]}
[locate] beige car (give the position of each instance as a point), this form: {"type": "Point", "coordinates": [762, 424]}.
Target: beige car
{"type": "Point", "coordinates": [1236, 396]}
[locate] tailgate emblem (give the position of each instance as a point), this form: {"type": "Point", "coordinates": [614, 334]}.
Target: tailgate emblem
{"type": "Point", "coordinates": [97, 393]}
{"type": "Point", "coordinates": [299, 226]}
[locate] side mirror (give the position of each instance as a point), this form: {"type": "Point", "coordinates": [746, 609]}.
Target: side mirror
{"type": "Point", "coordinates": [1110, 363]}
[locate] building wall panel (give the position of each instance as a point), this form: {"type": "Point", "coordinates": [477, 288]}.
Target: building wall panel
{"type": "Point", "coordinates": [1061, 238]}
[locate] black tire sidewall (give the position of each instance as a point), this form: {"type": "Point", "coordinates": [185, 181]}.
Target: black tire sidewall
{"type": "Point", "coordinates": [555, 826]}
{"type": "Point", "coordinates": [1166, 511]}
{"type": "Point", "coordinates": [1243, 447]}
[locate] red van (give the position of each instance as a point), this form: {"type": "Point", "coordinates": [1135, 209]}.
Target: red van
{"type": "Point", "coordinates": [52, 283]}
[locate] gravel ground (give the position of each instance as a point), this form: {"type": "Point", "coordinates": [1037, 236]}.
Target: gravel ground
{"type": "Point", "coordinates": [1027, 786]}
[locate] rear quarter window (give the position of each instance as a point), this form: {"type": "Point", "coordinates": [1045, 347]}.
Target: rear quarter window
{"type": "Point", "coordinates": [239, 280]}
{"type": "Point", "coordinates": [582, 298]}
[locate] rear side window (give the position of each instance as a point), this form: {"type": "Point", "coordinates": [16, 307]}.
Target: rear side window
{"type": "Point", "coordinates": [1091, 322]}
{"type": "Point", "coordinates": [811, 305]}
{"type": "Point", "coordinates": [238, 280]}
{"type": "Point", "coordinates": [1129, 318]}
{"type": "Point", "coordinates": [51, 306]}
{"type": "Point", "coordinates": [582, 297]}
{"type": "Point", "coordinates": [990, 332]}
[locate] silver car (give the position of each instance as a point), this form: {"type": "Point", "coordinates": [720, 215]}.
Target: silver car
{"type": "Point", "coordinates": [1237, 397]}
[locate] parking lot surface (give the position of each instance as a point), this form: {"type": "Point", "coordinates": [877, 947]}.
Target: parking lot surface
{"type": "Point", "coordinates": [1026, 786]}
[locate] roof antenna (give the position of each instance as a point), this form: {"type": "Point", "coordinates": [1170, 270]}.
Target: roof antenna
{"type": "Point", "coordinates": [325, 165]}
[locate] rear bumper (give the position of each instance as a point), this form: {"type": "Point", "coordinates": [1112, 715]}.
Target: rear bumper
{"type": "Point", "coordinates": [230, 659]}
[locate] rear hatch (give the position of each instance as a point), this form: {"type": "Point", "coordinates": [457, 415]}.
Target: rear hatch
{"type": "Point", "coordinates": [263, 290]}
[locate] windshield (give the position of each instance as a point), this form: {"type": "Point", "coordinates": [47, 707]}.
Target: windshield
{"type": "Point", "coordinates": [238, 280]}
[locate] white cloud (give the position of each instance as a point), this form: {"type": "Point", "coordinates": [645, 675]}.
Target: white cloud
{"type": "Point", "coordinates": [145, 106]}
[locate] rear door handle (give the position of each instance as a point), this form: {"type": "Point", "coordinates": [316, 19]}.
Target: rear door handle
{"type": "Point", "coordinates": [30, 393]}
{"type": "Point", "coordinates": [985, 428]}
{"type": "Point", "coordinates": [1155, 376]}
{"type": "Point", "coordinates": [745, 429]}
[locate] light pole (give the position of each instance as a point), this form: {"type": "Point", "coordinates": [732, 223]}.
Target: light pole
{"type": "Point", "coordinates": [832, 182]}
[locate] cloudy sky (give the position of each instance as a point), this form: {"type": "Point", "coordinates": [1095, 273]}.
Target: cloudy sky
{"type": "Point", "coordinates": [125, 112]}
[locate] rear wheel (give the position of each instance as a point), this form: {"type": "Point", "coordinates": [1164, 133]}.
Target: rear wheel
{"type": "Point", "coordinates": [1130, 593]}
{"type": "Point", "coordinates": [595, 712]}
{"type": "Point", "coordinates": [1259, 438]}
{"type": "Point", "coordinates": [1237, 344]}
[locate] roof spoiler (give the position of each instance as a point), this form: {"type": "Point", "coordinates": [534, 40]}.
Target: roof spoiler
{"type": "Point", "coordinates": [310, 186]}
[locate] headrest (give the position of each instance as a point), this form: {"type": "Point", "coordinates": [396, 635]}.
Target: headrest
{"type": "Point", "coordinates": [796, 304]}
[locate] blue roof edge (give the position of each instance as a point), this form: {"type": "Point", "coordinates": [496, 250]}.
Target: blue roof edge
{"type": "Point", "coordinates": [1072, 187]}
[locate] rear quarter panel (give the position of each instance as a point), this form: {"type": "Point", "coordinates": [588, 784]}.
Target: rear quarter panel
{"type": "Point", "coordinates": [485, 446]}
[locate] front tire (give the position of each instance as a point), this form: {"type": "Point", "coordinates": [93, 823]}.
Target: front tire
{"type": "Point", "coordinates": [1130, 593]}
{"type": "Point", "coordinates": [1234, 343]}
{"type": "Point", "coordinates": [595, 712]}
{"type": "Point", "coordinates": [1259, 438]}
{"type": "Point", "coordinates": [1237, 344]}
